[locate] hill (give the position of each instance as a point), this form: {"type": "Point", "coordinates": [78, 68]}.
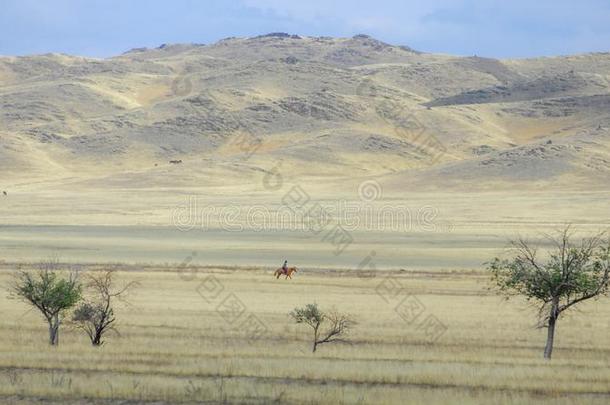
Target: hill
{"type": "Point", "coordinates": [331, 107]}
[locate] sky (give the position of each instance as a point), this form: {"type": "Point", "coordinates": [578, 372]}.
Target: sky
{"type": "Point", "coordinates": [502, 29]}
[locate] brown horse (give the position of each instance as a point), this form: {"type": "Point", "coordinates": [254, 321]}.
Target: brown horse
{"type": "Point", "coordinates": [287, 273]}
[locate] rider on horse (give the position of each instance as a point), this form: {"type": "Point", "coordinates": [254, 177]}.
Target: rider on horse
{"type": "Point", "coordinates": [285, 267]}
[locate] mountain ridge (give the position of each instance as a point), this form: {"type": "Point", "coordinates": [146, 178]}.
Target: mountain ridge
{"type": "Point", "coordinates": [355, 106]}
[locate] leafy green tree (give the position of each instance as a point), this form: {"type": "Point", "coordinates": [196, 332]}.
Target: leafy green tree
{"type": "Point", "coordinates": [571, 272]}
{"type": "Point", "coordinates": [327, 327]}
{"type": "Point", "coordinates": [49, 291]}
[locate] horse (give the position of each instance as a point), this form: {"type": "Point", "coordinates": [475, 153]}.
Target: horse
{"type": "Point", "coordinates": [288, 272]}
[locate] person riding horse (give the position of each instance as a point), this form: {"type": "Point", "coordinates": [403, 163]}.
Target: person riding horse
{"type": "Point", "coordinates": [285, 271]}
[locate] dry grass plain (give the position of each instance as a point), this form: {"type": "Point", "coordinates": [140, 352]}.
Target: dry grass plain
{"type": "Point", "coordinates": [176, 347]}
{"type": "Point", "coordinates": [85, 151]}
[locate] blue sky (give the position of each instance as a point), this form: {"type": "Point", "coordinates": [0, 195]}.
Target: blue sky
{"type": "Point", "coordinates": [508, 28]}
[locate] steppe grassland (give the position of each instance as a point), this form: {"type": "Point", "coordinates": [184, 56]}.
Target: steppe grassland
{"type": "Point", "coordinates": [175, 347]}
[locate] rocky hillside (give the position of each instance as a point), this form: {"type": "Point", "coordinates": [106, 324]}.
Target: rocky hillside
{"type": "Point", "coordinates": [325, 107]}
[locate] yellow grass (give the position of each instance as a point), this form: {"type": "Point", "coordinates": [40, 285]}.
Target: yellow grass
{"type": "Point", "coordinates": [176, 347]}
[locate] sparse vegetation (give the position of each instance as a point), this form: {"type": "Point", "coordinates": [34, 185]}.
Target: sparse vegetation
{"type": "Point", "coordinates": [331, 327]}
{"type": "Point", "coordinates": [96, 316]}
{"type": "Point", "coordinates": [170, 335]}
{"type": "Point", "coordinates": [329, 152]}
{"type": "Point", "coordinates": [572, 273]}
{"type": "Point", "coordinates": [49, 291]}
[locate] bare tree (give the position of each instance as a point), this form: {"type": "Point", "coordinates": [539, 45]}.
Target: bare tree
{"type": "Point", "coordinates": [96, 316]}
{"type": "Point", "coordinates": [338, 324]}
{"type": "Point", "coordinates": [49, 292]}
{"type": "Point", "coordinates": [572, 273]}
